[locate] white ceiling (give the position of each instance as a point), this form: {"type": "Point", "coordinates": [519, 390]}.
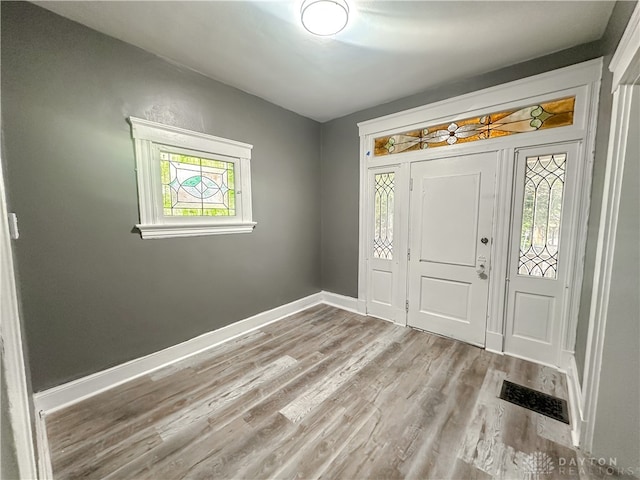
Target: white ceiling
{"type": "Point", "coordinates": [389, 50]}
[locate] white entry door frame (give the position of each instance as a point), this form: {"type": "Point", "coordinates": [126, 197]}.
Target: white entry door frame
{"type": "Point", "coordinates": [583, 82]}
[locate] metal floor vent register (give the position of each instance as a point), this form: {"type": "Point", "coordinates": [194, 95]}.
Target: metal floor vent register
{"type": "Point", "coordinates": [538, 402]}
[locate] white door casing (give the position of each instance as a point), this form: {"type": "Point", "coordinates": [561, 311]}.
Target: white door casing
{"type": "Point", "coordinates": [451, 222]}
{"type": "Point", "coordinates": [539, 272]}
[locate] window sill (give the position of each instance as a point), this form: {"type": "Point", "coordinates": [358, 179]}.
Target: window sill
{"type": "Point", "coordinates": [192, 230]}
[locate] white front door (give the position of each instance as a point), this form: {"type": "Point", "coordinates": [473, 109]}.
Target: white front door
{"type": "Point", "coordinates": [541, 246]}
{"type": "Point", "coordinates": [451, 221]}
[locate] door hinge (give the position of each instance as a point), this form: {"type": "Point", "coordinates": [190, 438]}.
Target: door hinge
{"type": "Point", "coordinates": [406, 306]}
{"type": "Point", "coordinates": [408, 254]}
{"type": "Point", "coordinates": [411, 184]}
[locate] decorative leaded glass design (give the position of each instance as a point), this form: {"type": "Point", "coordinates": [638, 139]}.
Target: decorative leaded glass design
{"type": "Point", "coordinates": [193, 186]}
{"type": "Point", "coordinates": [541, 214]}
{"type": "Point", "coordinates": [383, 222]}
{"type": "Point", "coordinates": [556, 113]}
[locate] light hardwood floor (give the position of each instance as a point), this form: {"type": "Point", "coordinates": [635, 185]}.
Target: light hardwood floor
{"type": "Point", "coordinates": [322, 394]}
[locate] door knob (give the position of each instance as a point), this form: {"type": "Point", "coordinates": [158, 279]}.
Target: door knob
{"type": "Point", "coordinates": [484, 240]}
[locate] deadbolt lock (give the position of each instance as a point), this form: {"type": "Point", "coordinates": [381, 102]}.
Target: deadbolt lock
{"type": "Point", "coordinates": [484, 240]}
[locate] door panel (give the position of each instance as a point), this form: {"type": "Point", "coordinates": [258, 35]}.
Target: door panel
{"type": "Point", "coordinates": [445, 298]}
{"type": "Point", "coordinates": [382, 286]}
{"type": "Point", "coordinates": [540, 250]}
{"type": "Point", "coordinates": [451, 212]}
{"type": "Point", "coordinates": [454, 241]}
{"type": "Point", "coordinates": [532, 314]}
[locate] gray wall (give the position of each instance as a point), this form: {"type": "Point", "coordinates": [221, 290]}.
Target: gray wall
{"type": "Point", "coordinates": [340, 167]}
{"type": "Point", "coordinates": [94, 294]}
{"type": "Point", "coordinates": [617, 427]}
{"type": "Point", "coordinates": [615, 28]}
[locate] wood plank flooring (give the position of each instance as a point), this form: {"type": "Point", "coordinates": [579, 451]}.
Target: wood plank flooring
{"type": "Point", "coordinates": [323, 394]}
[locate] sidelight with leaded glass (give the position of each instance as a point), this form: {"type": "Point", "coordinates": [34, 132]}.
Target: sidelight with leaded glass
{"type": "Point", "coordinates": [383, 220]}
{"type": "Point", "coordinates": [541, 215]}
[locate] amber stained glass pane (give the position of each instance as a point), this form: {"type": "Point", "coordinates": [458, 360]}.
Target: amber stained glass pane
{"type": "Point", "coordinates": [552, 114]}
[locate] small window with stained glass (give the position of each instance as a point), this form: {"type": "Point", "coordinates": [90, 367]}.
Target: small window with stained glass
{"type": "Point", "coordinates": [190, 183]}
{"type": "Point", "coordinates": [194, 186]}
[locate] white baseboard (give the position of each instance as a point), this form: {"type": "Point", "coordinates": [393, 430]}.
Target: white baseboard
{"type": "Point", "coordinates": [493, 343]}
{"type": "Point", "coordinates": [64, 395]}
{"type": "Point", "coordinates": [570, 369]}
{"type": "Point", "coordinates": [69, 393]}
{"type": "Point", "coordinates": [76, 390]}
{"type": "Point", "coordinates": [341, 301]}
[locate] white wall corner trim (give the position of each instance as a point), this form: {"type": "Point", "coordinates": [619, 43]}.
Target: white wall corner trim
{"type": "Point", "coordinates": [72, 392]}
{"type": "Point", "coordinates": [13, 354]}
{"type": "Point", "coordinates": [604, 258]}
{"type": "Point", "coordinates": [625, 64]}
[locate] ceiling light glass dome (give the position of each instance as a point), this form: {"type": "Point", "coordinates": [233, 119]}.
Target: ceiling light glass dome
{"type": "Point", "coordinates": [324, 17]}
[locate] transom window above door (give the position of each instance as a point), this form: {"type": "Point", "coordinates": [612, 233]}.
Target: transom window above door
{"type": "Point", "coordinates": [551, 114]}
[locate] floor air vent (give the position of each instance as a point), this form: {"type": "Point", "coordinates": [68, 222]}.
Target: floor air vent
{"type": "Point", "coordinates": [538, 402]}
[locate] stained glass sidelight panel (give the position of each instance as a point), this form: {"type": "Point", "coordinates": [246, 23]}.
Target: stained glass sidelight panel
{"type": "Point", "coordinates": [555, 113]}
{"type": "Point", "coordinates": [541, 215]}
{"type": "Point", "coordinates": [193, 186]}
{"type": "Point", "coordinates": [383, 222]}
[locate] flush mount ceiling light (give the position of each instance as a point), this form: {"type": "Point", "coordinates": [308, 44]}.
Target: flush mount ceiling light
{"type": "Point", "coordinates": [324, 17]}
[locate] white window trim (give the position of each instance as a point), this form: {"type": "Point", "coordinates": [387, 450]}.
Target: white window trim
{"type": "Point", "coordinates": [149, 137]}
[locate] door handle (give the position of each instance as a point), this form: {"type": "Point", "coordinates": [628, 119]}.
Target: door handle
{"type": "Point", "coordinates": [484, 240]}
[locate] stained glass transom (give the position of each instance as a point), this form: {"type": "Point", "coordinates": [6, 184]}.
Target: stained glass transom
{"type": "Point", "coordinates": [541, 215]}
{"type": "Point", "coordinates": [556, 113]}
{"type": "Point", "coordinates": [194, 186]}
{"type": "Point", "coordinates": [383, 222]}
